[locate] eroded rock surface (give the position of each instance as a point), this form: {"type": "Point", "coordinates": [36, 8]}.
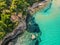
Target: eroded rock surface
{"type": "Point", "coordinates": [17, 31]}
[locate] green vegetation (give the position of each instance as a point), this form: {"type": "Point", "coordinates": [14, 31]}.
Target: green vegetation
{"type": "Point", "coordinates": [7, 7]}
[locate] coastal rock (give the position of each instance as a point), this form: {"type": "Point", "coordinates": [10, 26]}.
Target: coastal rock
{"type": "Point", "coordinates": [26, 39]}
{"type": "Point", "coordinates": [17, 31]}
{"type": "Point", "coordinates": [11, 43]}
{"type": "Point", "coordinates": [32, 27]}
{"type": "Point", "coordinates": [33, 37]}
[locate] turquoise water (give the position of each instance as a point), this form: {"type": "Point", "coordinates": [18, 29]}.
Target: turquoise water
{"type": "Point", "coordinates": [49, 24]}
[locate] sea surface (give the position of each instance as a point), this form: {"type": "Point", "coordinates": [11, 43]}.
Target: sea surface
{"type": "Point", "coordinates": [49, 24]}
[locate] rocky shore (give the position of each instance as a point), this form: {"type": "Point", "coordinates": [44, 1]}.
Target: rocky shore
{"type": "Point", "coordinates": [17, 31]}
{"type": "Point", "coordinates": [28, 25]}
{"type": "Point", "coordinates": [38, 6]}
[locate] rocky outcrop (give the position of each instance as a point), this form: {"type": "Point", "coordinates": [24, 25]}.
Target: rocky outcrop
{"type": "Point", "coordinates": [31, 26]}
{"type": "Point", "coordinates": [17, 31]}
{"type": "Point", "coordinates": [38, 6]}
{"type": "Point", "coordinates": [8, 39]}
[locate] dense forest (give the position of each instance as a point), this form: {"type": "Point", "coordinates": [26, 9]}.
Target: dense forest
{"type": "Point", "coordinates": [9, 7]}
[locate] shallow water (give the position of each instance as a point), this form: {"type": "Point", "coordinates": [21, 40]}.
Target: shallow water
{"type": "Point", "coordinates": [49, 23]}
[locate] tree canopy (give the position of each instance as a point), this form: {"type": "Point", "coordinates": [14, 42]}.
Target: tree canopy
{"type": "Point", "coordinates": [7, 7]}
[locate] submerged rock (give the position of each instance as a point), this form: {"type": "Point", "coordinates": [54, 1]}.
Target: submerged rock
{"type": "Point", "coordinates": [25, 39]}
{"type": "Point", "coordinates": [32, 26]}
{"type": "Point", "coordinates": [37, 42]}
{"type": "Point", "coordinates": [33, 37]}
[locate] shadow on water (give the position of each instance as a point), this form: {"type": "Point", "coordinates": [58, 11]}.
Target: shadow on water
{"type": "Point", "coordinates": [37, 42]}
{"type": "Point", "coordinates": [32, 26]}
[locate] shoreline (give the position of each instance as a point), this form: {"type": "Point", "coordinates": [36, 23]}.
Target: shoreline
{"type": "Point", "coordinates": [31, 11]}
{"type": "Point", "coordinates": [38, 6]}
{"type": "Point", "coordinates": [17, 31]}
